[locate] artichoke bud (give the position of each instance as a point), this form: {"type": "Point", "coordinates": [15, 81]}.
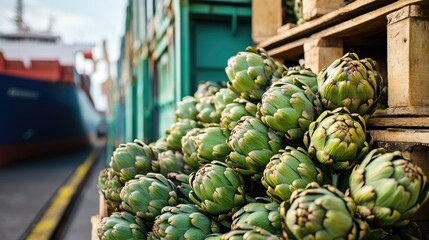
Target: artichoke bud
{"type": "Point", "coordinates": [350, 82]}
{"type": "Point", "coordinates": [337, 139]}
{"type": "Point", "coordinates": [388, 188]}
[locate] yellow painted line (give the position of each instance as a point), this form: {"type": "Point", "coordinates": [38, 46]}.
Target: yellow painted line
{"type": "Point", "coordinates": [45, 227]}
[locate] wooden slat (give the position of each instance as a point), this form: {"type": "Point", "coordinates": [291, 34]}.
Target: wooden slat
{"type": "Point", "coordinates": [358, 26]}
{"type": "Point", "coordinates": [420, 136]}
{"type": "Point", "coordinates": [266, 18]}
{"type": "Point", "coordinates": [95, 223]}
{"type": "Point", "coordinates": [399, 122]}
{"type": "Point", "coordinates": [322, 22]}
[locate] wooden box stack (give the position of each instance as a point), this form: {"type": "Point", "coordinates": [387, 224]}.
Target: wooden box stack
{"type": "Point", "coordinates": [396, 35]}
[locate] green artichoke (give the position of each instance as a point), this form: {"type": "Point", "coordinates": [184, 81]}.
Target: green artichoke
{"type": "Point", "coordinates": [183, 221]}
{"type": "Point", "coordinates": [288, 11]}
{"type": "Point", "coordinates": [289, 108]}
{"type": "Point", "coordinates": [298, 11]}
{"type": "Point", "coordinates": [176, 131]}
{"type": "Point", "coordinates": [338, 139]}
{"type": "Point", "coordinates": [233, 113]}
{"type": "Point", "coordinates": [131, 159]}
{"type": "Point", "coordinates": [211, 145]}
{"type": "Point", "coordinates": [222, 98]}
{"type": "Point", "coordinates": [288, 171]}
{"type": "Point", "coordinates": [251, 72]}
{"type": "Point", "coordinates": [168, 161]}
{"type": "Point", "coordinates": [181, 181]}
{"type": "Point", "coordinates": [218, 190]}
{"type": "Point", "coordinates": [246, 233]}
{"type": "Point", "coordinates": [321, 213]}
{"type": "Point", "coordinates": [297, 75]}
{"type": "Point", "coordinates": [121, 225]}
{"type": "Point", "coordinates": [146, 195]}
{"type": "Point", "coordinates": [351, 82]}
{"type": "Point", "coordinates": [206, 89]}
{"type": "Point", "coordinates": [189, 148]}
{"type": "Point", "coordinates": [159, 145]}
{"type": "Point", "coordinates": [252, 145]}
{"type": "Point", "coordinates": [259, 214]}
{"type": "Point", "coordinates": [113, 187]}
{"type": "Point", "coordinates": [388, 188]}
{"type": "Point", "coordinates": [186, 109]}
{"type": "Point", "coordinates": [207, 114]}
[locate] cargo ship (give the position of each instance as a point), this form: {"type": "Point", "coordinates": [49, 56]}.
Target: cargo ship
{"type": "Point", "coordinates": [45, 104]}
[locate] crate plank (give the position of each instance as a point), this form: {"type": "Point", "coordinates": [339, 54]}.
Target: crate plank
{"type": "Point", "coordinates": [399, 122]}
{"type": "Point", "coordinates": [358, 26]}
{"type": "Point", "coordinates": [315, 8]}
{"type": "Point", "coordinates": [420, 136]}
{"type": "Point", "coordinates": [266, 18]}
{"type": "Point", "coordinates": [95, 223]}
{"type": "Point", "coordinates": [407, 62]}
{"type": "Point", "coordinates": [327, 20]}
{"type": "Point", "coordinates": [102, 207]}
{"type": "Point", "coordinates": [320, 53]}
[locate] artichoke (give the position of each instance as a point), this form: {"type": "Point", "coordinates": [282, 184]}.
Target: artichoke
{"type": "Point", "coordinates": [245, 233]}
{"type": "Point", "coordinates": [131, 159]}
{"type": "Point", "coordinates": [112, 190]}
{"type": "Point", "coordinates": [321, 213]}
{"type": "Point", "coordinates": [207, 114]}
{"type": "Point", "coordinates": [146, 195]}
{"type": "Point", "coordinates": [350, 82]}
{"type": "Point", "coordinates": [121, 225]}
{"type": "Point", "coordinates": [306, 76]}
{"type": "Point", "coordinates": [233, 113]}
{"type": "Point", "coordinates": [206, 89]}
{"type": "Point", "coordinates": [159, 145]}
{"type": "Point", "coordinates": [289, 108]}
{"type": "Point", "coordinates": [288, 171]}
{"type": "Point", "coordinates": [252, 145]}
{"type": "Point", "coordinates": [338, 139]}
{"type": "Point", "coordinates": [211, 145]}
{"type": "Point", "coordinates": [388, 188]}
{"type": "Point", "coordinates": [251, 72]}
{"type": "Point", "coordinates": [189, 148]}
{"type": "Point", "coordinates": [183, 221]}
{"type": "Point", "coordinates": [218, 190]}
{"type": "Point", "coordinates": [181, 181]}
{"type": "Point", "coordinates": [222, 98]}
{"type": "Point", "coordinates": [259, 214]}
{"type": "Point", "coordinates": [186, 109]}
{"type": "Point", "coordinates": [297, 8]}
{"type": "Point", "coordinates": [168, 161]}
{"type": "Point", "coordinates": [177, 131]}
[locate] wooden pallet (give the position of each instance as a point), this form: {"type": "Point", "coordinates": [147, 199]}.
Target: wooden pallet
{"type": "Point", "coordinates": [393, 33]}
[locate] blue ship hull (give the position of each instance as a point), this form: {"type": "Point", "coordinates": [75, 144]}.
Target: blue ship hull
{"type": "Point", "coordinates": [40, 117]}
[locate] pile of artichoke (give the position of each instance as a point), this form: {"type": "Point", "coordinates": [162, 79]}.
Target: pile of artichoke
{"type": "Point", "coordinates": [278, 153]}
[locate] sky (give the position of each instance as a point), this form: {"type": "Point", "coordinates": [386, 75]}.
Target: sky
{"type": "Point", "coordinates": [76, 21]}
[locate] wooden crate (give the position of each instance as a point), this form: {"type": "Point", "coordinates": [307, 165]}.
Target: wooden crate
{"type": "Point", "coordinates": [394, 34]}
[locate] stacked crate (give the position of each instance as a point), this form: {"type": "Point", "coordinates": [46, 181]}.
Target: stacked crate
{"type": "Point", "coordinates": [394, 33]}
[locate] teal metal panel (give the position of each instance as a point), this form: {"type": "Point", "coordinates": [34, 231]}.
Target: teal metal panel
{"type": "Point", "coordinates": [166, 87]}
{"type": "Point", "coordinates": [182, 49]}
{"type": "Point", "coordinates": [129, 113]}
{"type": "Point", "coordinates": [213, 43]}
{"type": "Point", "coordinates": [139, 100]}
